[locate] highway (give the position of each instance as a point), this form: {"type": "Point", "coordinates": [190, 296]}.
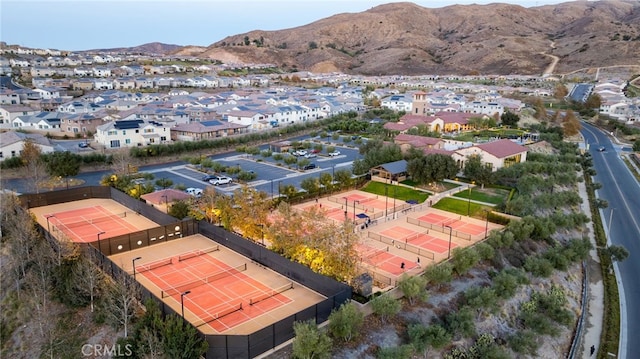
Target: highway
{"type": "Point", "coordinates": [622, 222]}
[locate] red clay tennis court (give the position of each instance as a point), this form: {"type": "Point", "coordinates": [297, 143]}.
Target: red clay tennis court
{"type": "Point", "coordinates": [420, 239]}
{"type": "Point", "coordinates": [383, 259]}
{"type": "Point", "coordinates": [455, 223]}
{"type": "Point", "coordinates": [83, 224]}
{"type": "Point", "coordinates": [228, 293]}
{"type": "Point", "coordinates": [220, 296]}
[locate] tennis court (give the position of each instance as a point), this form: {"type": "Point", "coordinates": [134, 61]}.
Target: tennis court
{"type": "Point", "coordinates": [419, 239]}
{"type": "Point", "coordinates": [85, 220]}
{"type": "Point", "coordinates": [457, 223]}
{"type": "Point", "coordinates": [222, 291]}
{"type": "Point", "coordinates": [383, 258]}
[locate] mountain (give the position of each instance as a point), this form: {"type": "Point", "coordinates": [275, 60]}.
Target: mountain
{"type": "Point", "coordinates": [150, 48]}
{"type": "Point", "coordinates": [407, 39]}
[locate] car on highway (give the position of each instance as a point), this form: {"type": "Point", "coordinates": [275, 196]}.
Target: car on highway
{"type": "Point", "coordinates": [602, 149]}
{"type": "Point", "coordinates": [334, 153]}
{"type": "Point", "coordinates": [218, 180]}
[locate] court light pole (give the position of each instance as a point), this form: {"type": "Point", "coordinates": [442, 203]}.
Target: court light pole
{"type": "Point", "coordinates": [386, 200]}
{"type": "Point", "coordinates": [182, 301]}
{"type": "Point", "coordinates": [99, 245]}
{"type": "Point", "coordinates": [47, 217]}
{"type": "Point", "coordinates": [354, 209]}
{"type": "Point", "coordinates": [486, 225]}
{"type": "Point", "coordinates": [262, 232]}
{"type": "Point", "coordinates": [133, 262]}
{"type": "Point", "coordinates": [450, 230]}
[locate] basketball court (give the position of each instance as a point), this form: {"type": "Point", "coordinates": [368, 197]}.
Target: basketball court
{"type": "Point", "coordinates": [222, 291]}
{"type": "Point", "coordinates": [87, 220]}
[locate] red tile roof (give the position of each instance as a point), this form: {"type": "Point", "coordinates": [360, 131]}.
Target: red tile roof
{"type": "Point", "coordinates": [502, 148]}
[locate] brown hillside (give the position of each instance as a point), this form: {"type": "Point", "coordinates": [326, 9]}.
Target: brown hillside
{"type": "Point", "coordinates": [404, 38]}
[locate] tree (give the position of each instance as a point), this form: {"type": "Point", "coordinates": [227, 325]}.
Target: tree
{"type": "Point", "coordinates": [63, 164]}
{"type": "Point", "coordinates": [89, 276]}
{"type": "Point", "coordinates": [432, 168]}
{"type": "Point", "coordinates": [164, 183]}
{"type": "Point", "coordinates": [121, 300]}
{"type": "Point", "coordinates": [346, 322]}
{"type": "Point", "coordinates": [309, 342]}
{"type": "Point", "coordinates": [179, 209]}
{"type": "Point", "coordinates": [182, 341]}
{"type": "Point", "coordinates": [439, 274]}
{"type": "Point", "coordinates": [636, 145]}
{"type": "Point", "coordinates": [593, 101]}
{"type": "Point", "coordinates": [464, 259]}
{"type": "Point", "coordinates": [476, 171]}
{"type": "Point", "coordinates": [121, 162]}
{"type": "Point", "coordinates": [616, 253]}
{"type": "Point", "coordinates": [385, 306]}
{"type": "Point", "coordinates": [509, 119]}
{"type": "Point", "coordinates": [413, 288]}
{"type": "Point", "coordinates": [460, 323]}
{"type": "Point", "coordinates": [570, 124]}
{"type": "Point", "coordinates": [311, 185]}
{"type": "Point", "coordinates": [560, 91]}
{"type": "Point", "coordinates": [34, 169]}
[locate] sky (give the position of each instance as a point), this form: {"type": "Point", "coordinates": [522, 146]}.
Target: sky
{"type": "Point", "coordinates": [98, 24]}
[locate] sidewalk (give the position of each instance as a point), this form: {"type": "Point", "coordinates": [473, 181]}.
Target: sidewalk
{"type": "Point", "coordinates": [594, 311]}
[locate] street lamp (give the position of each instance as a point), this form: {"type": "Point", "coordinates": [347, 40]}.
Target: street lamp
{"type": "Point", "coordinates": [450, 230]}
{"type": "Point", "coordinates": [469, 202]}
{"type": "Point", "coordinates": [182, 301]}
{"type": "Point", "coordinates": [386, 200]}
{"type": "Point", "coordinates": [133, 262]}
{"type": "Point", "coordinates": [354, 209]}
{"type": "Point", "coordinates": [100, 246]}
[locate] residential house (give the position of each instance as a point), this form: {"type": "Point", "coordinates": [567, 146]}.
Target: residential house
{"type": "Point", "coordinates": [206, 130]}
{"type": "Point", "coordinates": [124, 84]}
{"type": "Point", "coordinates": [48, 92]}
{"type": "Point", "coordinates": [132, 133]}
{"type": "Point", "coordinates": [49, 121]}
{"type": "Point", "coordinates": [401, 102]}
{"type": "Point", "coordinates": [496, 154]}
{"type": "Point", "coordinates": [8, 113]}
{"type": "Point", "coordinates": [12, 143]}
{"type": "Point", "coordinates": [82, 123]}
{"type": "Point", "coordinates": [406, 141]}
{"type": "Point", "coordinates": [9, 97]}
{"type": "Point", "coordinates": [484, 108]}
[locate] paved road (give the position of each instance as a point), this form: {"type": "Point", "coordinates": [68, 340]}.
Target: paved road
{"type": "Point", "coordinates": [622, 191]}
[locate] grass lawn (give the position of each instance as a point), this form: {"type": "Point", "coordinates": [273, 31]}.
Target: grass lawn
{"type": "Point", "coordinates": [461, 207]}
{"type": "Point", "coordinates": [489, 195]}
{"type": "Point", "coordinates": [440, 187]}
{"type": "Point", "coordinates": [397, 192]}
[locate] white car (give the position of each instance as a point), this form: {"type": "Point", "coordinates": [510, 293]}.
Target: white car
{"type": "Point", "coordinates": [334, 153]}
{"type": "Point", "coordinates": [300, 153]}
{"type": "Point", "coordinates": [196, 192]}
{"type": "Point", "coordinates": [310, 155]}
{"type": "Point", "coordinates": [218, 180]}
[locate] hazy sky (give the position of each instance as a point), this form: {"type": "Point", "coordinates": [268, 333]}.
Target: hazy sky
{"type": "Point", "coordinates": [92, 24]}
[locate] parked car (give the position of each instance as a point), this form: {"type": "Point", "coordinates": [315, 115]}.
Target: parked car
{"type": "Point", "coordinates": [300, 153]}
{"type": "Point", "coordinates": [334, 153]}
{"type": "Point", "coordinates": [208, 178]}
{"type": "Point", "coordinates": [83, 145]}
{"type": "Point", "coordinates": [218, 180]}
{"type": "Point", "coordinates": [310, 166]}
{"type": "Point", "coordinates": [196, 192]}
{"type": "Point", "coordinates": [310, 155]}
{"type": "Point", "coordinates": [602, 149]}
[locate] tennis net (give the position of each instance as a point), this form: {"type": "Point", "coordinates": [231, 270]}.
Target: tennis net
{"type": "Point", "coordinates": [375, 252]}
{"type": "Point", "coordinates": [271, 293]}
{"type": "Point", "coordinates": [153, 265]}
{"type": "Point", "coordinates": [83, 221]}
{"type": "Point", "coordinates": [168, 292]}
{"type": "Point", "coordinates": [223, 310]}
{"type": "Point", "coordinates": [197, 253]}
